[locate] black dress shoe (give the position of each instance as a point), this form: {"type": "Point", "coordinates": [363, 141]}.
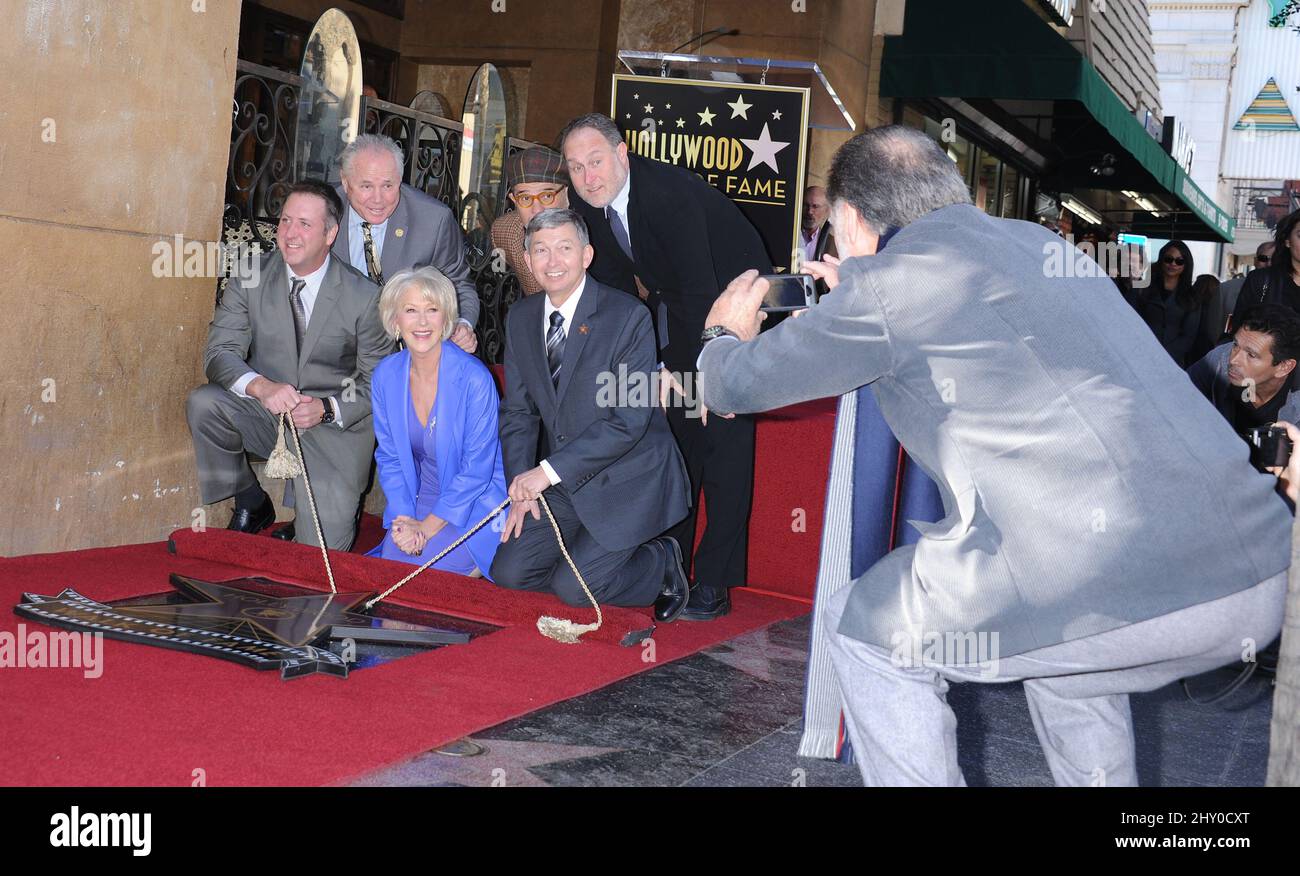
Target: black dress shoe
{"type": "Point", "coordinates": [255, 520]}
{"type": "Point", "coordinates": [677, 588]}
{"type": "Point", "coordinates": [707, 603]}
{"type": "Point", "coordinates": [285, 533]}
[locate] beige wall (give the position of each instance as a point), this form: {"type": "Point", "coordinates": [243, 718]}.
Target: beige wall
{"type": "Point", "coordinates": [116, 124]}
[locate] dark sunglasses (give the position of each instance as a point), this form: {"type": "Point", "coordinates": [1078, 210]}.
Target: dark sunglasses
{"type": "Point", "coordinates": [1173, 260]}
{"type": "Point", "coordinates": [1264, 260]}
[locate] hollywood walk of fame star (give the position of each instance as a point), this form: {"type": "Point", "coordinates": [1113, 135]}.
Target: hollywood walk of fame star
{"type": "Point", "coordinates": [764, 150]}
{"type": "Point", "coordinates": [740, 108]}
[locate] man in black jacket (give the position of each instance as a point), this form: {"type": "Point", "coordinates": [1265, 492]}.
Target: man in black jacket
{"type": "Point", "coordinates": [663, 233]}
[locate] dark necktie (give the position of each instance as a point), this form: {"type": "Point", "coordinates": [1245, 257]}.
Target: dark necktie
{"type": "Point", "coordinates": [555, 347]}
{"type": "Point", "coordinates": [372, 263]}
{"type": "Point", "coordinates": [620, 233]}
{"type": "Point", "coordinates": [296, 285]}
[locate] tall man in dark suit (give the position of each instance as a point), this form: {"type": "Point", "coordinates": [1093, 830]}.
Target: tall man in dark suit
{"type": "Point", "coordinates": [390, 226]}
{"type": "Point", "coordinates": [612, 475]}
{"type": "Point", "coordinates": [302, 339]}
{"type": "Point", "coordinates": [662, 229]}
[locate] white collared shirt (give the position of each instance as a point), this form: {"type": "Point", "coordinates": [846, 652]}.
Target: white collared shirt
{"type": "Point", "coordinates": [357, 241]}
{"type": "Point", "coordinates": [566, 310]}
{"type": "Point", "coordinates": [309, 294]}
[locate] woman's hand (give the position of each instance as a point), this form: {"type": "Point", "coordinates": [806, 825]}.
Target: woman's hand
{"type": "Point", "coordinates": [408, 536]}
{"type": "Point", "coordinates": [431, 526]}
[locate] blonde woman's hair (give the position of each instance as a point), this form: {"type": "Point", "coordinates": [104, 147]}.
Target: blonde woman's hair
{"type": "Point", "coordinates": [434, 287]}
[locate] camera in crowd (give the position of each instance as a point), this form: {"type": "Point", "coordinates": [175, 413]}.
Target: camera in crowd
{"type": "Point", "coordinates": [1270, 447]}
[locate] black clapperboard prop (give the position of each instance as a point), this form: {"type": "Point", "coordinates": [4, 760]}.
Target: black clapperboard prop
{"type": "Point", "coordinates": [744, 139]}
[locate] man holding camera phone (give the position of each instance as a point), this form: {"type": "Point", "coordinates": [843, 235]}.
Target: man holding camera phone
{"type": "Point", "coordinates": [1104, 534]}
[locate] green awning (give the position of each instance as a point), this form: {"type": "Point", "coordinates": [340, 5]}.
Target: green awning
{"type": "Point", "coordinates": [1001, 50]}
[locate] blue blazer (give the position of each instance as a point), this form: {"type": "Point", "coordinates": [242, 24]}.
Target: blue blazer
{"type": "Point", "coordinates": [471, 479]}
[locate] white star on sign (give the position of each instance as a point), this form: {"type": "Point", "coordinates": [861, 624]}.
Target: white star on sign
{"type": "Point", "coordinates": [668, 106]}
{"type": "Point", "coordinates": [740, 108]}
{"type": "Point", "coordinates": [764, 149]}
{"type": "Point", "coordinates": [681, 123]}
{"type": "Point", "coordinates": [649, 108]}
{"type": "Point", "coordinates": [706, 117]}
{"type": "Point", "coordinates": [776, 114]}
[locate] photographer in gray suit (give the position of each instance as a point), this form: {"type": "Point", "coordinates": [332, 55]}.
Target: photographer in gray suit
{"type": "Point", "coordinates": [301, 339]}
{"type": "Point", "coordinates": [1104, 531]}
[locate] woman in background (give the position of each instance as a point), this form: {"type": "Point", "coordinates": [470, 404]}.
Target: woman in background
{"type": "Point", "coordinates": [1168, 304]}
{"type": "Point", "coordinates": [435, 410]}
{"type": "Point", "coordinates": [1279, 283]}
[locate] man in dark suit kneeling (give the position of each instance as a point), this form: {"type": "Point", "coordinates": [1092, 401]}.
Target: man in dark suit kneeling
{"type": "Point", "coordinates": [579, 423]}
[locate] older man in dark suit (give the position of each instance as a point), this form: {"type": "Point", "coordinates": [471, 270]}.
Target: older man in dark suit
{"type": "Point", "coordinates": [301, 339]}
{"type": "Point", "coordinates": [664, 232]}
{"type": "Point", "coordinates": [579, 361]}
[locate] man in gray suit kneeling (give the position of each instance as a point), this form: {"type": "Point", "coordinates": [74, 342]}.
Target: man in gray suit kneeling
{"type": "Point", "coordinates": [1105, 532]}
{"type": "Point", "coordinates": [301, 338]}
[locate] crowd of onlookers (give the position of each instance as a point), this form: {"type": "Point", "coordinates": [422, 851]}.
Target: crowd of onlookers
{"type": "Point", "coordinates": [1238, 339]}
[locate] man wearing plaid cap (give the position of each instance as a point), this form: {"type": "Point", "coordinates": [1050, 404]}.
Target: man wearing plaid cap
{"type": "Point", "coordinates": [538, 181]}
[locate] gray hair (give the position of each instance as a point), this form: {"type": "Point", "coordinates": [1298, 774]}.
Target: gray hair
{"type": "Point", "coordinates": [555, 218]}
{"type": "Point", "coordinates": [433, 286]}
{"type": "Point", "coordinates": [366, 142]}
{"type": "Point", "coordinates": [893, 176]}
{"type": "Point", "coordinates": [597, 122]}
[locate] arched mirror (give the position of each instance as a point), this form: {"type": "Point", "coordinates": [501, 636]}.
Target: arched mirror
{"type": "Point", "coordinates": [330, 103]}
{"type": "Point", "coordinates": [482, 149]}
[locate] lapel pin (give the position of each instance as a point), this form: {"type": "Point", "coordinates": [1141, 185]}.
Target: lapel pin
{"type": "Point", "coordinates": [583, 328]}
{"type": "Point", "coordinates": [399, 232]}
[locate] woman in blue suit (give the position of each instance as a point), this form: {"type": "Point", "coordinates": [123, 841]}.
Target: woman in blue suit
{"type": "Point", "coordinates": [435, 412]}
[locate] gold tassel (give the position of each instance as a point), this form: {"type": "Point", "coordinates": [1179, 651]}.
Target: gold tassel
{"type": "Point", "coordinates": [282, 463]}
{"type": "Point", "coordinates": [562, 629]}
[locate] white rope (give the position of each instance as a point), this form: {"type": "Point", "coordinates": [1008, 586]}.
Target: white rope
{"type": "Point", "coordinates": [282, 464]}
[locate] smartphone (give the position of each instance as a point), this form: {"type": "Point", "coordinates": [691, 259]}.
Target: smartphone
{"type": "Point", "coordinates": [788, 292]}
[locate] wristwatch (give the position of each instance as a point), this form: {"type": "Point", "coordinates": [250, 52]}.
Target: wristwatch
{"type": "Point", "coordinates": [716, 331]}
{"type": "Point", "coordinates": [327, 416]}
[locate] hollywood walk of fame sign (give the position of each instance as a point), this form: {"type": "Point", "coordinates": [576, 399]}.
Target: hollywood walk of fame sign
{"type": "Point", "coordinates": [745, 139]}
{"type": "Point", "coordinates": [233, 621]}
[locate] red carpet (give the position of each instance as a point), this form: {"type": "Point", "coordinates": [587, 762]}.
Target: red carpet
{"type": "Point", "coordinates": [154, 717]}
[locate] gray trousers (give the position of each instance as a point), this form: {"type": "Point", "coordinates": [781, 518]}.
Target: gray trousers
{"type": "Point", "coordinates": [905, 733]}
{"type": "Point", "coordinates": [224, 426]}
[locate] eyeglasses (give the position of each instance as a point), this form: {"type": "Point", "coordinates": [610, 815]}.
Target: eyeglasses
{"type": "Point", "coordinates": [546, 198]}
{"type": "Point", "coordinates": [1173, 260]}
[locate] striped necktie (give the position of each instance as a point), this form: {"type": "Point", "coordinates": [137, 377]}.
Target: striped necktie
{"type": "Point", "coordinates": [296, 285]}
{"type": "Point", "coordinates": [555, 347]}
{"type": "Point", "coordinates": [372, 263]}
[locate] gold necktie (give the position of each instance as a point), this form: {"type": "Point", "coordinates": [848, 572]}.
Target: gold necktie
{"type": "Point", "coordinates": [372, 263]}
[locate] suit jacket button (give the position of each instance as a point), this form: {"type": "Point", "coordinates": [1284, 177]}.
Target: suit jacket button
{"type": "Point", "coordinates": [559, 437]}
